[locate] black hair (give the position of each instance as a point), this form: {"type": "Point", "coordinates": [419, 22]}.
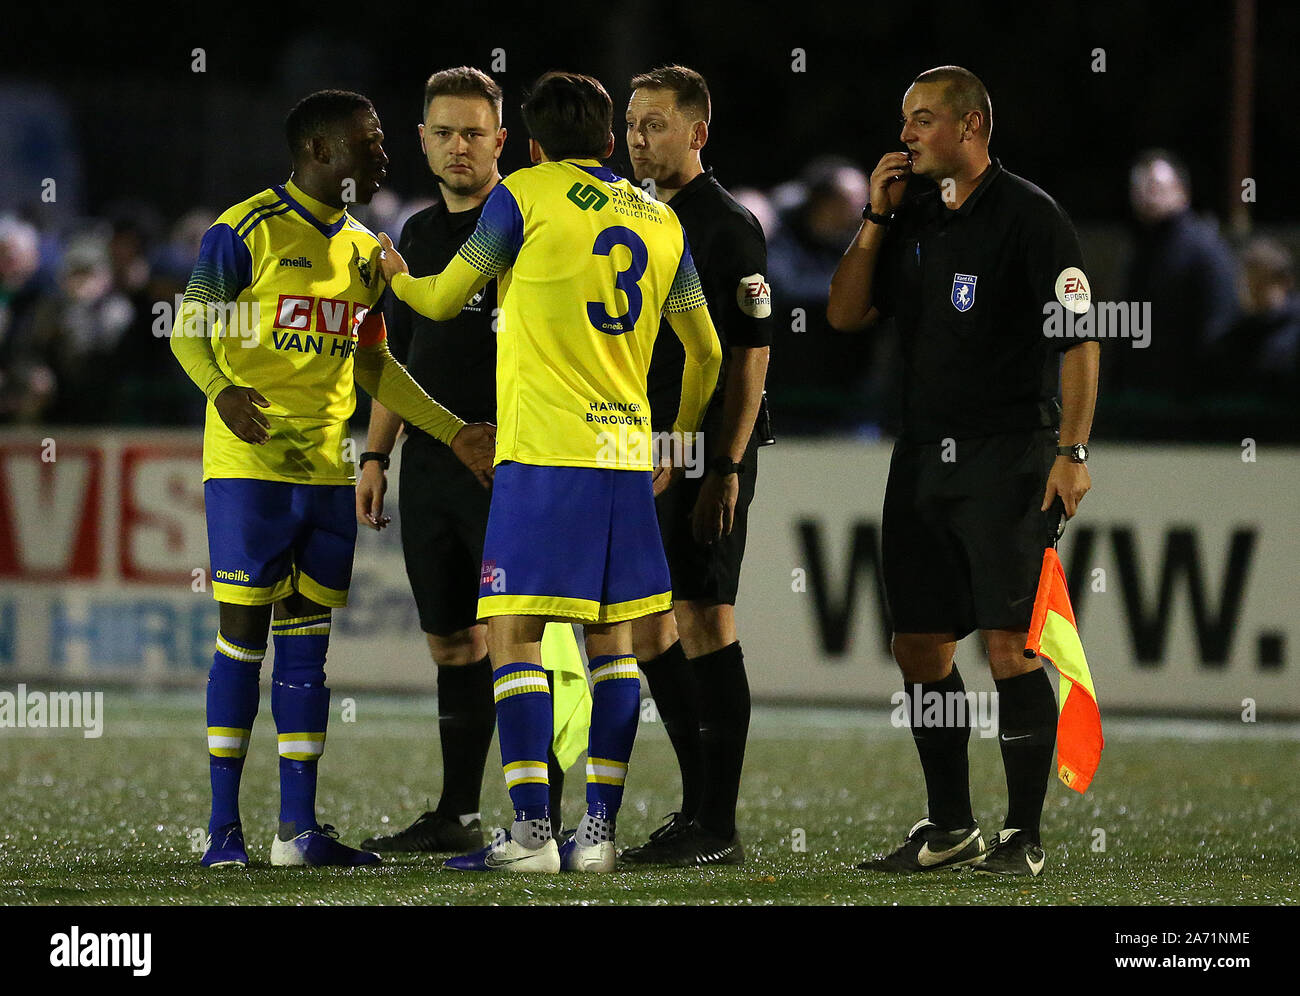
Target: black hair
{"type": "Point", "coordinates": [569, 115]}
{"type": "Point", "coordinates": [319, 114]}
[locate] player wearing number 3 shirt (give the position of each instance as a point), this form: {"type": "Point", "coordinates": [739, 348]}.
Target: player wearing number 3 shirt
{"type": "Point", "coordinates": [586, 264]}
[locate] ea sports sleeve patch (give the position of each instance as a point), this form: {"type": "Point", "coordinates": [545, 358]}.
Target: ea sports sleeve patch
{"type": "Point", "coordinates": [754, 296]}
{"type": "Point", "coordinates": [1059, 284]}
{"type": "Point", "coordinates": [1072, 290]}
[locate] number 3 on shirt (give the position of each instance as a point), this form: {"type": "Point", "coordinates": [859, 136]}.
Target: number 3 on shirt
{"type": "Point", "coordinates": [626, 280]}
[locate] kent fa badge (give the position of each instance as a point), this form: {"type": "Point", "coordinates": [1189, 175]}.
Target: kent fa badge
{"type": "Point", "coordinates": [963, 291]}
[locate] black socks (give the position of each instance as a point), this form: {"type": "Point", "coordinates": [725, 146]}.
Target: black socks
{"type": "Point", "coordinates": [676, 693]}
{"type": "Point", "coordinates": [1027, 736]}
{"type": "Point", "coordinates": [724, 727]}
{"type": "Point", "coordinates": [467, 716]}
{"type": "Point", "coordinates": [943, 751]}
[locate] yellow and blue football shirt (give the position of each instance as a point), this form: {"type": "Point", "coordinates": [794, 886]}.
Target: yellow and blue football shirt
{"type": "Point", "coordinates": [586, 264]}
{"type": "Point", "coordinates": [282, 284]}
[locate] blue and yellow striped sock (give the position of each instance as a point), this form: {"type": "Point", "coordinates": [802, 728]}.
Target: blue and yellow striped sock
{"type": "Point", "coordinates": [232, 706]}
{"type": "Point", "coordinates": [300, 703]}
{"type": "Point", "coordinates": [524, 723]}
{"type": "Point", "coordinates": [615, 710]}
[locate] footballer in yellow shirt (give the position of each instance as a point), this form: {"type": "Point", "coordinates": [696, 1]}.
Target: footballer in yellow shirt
{"type": "Point", "coordinates": [276, 328]}
{"type": "Point", "coordinates": [585, 263]}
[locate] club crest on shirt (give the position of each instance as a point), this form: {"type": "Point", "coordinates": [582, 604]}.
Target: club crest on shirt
{"type": "Point", "coordinates": [963, 291]}
{"type": "Point", "coordinates": [362, 265]}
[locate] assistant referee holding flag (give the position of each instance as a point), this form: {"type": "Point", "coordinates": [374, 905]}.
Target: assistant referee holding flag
{"type": "Point", "coordinates": [971, 261]}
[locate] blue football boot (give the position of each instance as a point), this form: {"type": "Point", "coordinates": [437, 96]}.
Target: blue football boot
{"type": "Point", "coordinates": [225, 848]}
{"type": "Point", "coordinates": [316, 847]}
{"type": "Point", "coordinates": [505, 854]}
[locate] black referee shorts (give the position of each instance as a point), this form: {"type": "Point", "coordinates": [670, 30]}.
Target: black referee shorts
{"type": "Point", "coordinates": [444, 512]}
{"type": "Point", "coordinates": [963, 540]}
{"type": "Point", "coordinates": [707, 573]}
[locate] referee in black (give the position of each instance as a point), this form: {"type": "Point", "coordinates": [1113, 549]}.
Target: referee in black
{"type": "Point", "coordinates": [970, 261]}
{"type": "Point", "coordinates": [691, 657]}
{"type": "Point", "coordinates": [443, 507]}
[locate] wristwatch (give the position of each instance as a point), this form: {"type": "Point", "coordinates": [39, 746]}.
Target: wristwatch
{"type": "Point", "coordinates": [1078, 452]}
{"type": "Point", "coordinates": [722, 465]}
{"type": "Point", "coordinates": [876, 219]}
{"type": "Point", "coordinates": [372, 455]}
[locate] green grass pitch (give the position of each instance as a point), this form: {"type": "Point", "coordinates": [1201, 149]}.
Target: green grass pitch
{"type": "Point", "coordinates": [1193, 813]}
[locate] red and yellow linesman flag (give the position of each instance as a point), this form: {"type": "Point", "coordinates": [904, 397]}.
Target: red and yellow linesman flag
{"type": "Point", "coordinates": [1054, 635]}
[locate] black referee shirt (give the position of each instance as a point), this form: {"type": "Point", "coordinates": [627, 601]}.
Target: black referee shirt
{"type": "Point", "coordinates": [454, 361]}
{"type": "Point", "coordinates": [966, 289]}
{"type": "Point", "coordinates": [730, 256]}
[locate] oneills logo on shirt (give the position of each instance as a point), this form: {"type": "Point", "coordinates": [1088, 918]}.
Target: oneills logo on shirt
{"type": "Point", "coordinates": [299, 261]}
{"type": "Point", "coordinates": [362, 265]}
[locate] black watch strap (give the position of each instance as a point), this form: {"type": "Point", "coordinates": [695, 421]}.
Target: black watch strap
{"type": "Point", "coordinates": [372, 455]}
{"type": "Point", "coordinates": [723, 465]}
{"type": "Point", "coordinates": [1078, 452]}
{"type": "Point", "coordinates": [876, 219]}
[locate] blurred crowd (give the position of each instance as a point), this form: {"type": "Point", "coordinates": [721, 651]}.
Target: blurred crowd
{"type": "Point", "coordinates": [85, 311]}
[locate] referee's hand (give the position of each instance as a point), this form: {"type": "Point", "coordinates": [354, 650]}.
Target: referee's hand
{"type": "Point", "coordinates": [238, 408]}
{"type": "Point", "coordinates": [372, 483]}
{"type": "Point", "coordinates": [889, 181]}
{"type": "Point", "coordinates": [715, 509]}
{"type": "Point", "coordinates": [1071, 481]}
{"type": "Point", "coordinates": [476, 447]}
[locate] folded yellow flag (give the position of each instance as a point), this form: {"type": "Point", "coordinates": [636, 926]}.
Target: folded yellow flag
{"type": "Point", "coordinates": [1054, 635]}
{"type": "Point", "coordinates": [571, 700]}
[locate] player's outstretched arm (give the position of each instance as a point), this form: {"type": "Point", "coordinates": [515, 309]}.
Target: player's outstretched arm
{"type": "Point", "coordinates": [440, 296]}
{"type": "Point", "coordinates": [389, 383]}
{"type": "Point", "coordinates": [703, 361]}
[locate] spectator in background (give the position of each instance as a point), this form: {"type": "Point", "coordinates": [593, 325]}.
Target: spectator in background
{"type": "Point", "coordinates": [820, 380]}
{"type": "Point", "coordinates": [25, 382]}
{"type": "Point", "coordinates": [761, 207]}
{"type": "Point", "coordinates": [151, 388]}
{"type": "Point", "coordinates": [174, 259]}
{"type": "Point", "coordinates": [76, 332]}
{"type": "Point", "coordinates": [1261, 352]}
{"type": "Point", "coordinates": [1184, 268]}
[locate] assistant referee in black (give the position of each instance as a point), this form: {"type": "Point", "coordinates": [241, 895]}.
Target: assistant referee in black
{"type": "Point", "coordinates": [970, 260]}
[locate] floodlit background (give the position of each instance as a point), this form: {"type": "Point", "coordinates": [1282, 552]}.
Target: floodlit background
{"type": "Point", "coordinates": [122, 136]}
